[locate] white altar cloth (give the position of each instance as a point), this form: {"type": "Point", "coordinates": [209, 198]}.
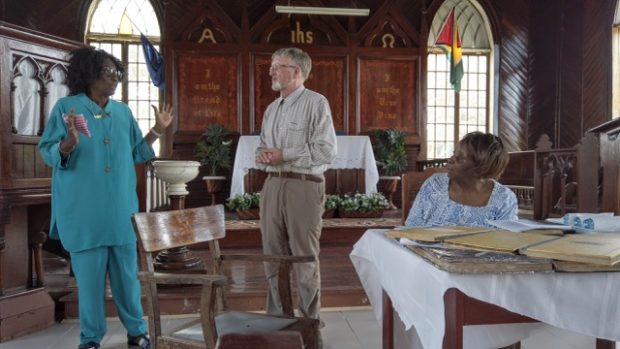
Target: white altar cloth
{"type": "Point", "coordinates": [586, 303]}
{"type": "Point", "coordinates": [353, 152]}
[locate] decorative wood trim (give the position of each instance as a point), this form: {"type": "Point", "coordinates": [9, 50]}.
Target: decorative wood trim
{"type": "Point", "coordinates": [209, 13]}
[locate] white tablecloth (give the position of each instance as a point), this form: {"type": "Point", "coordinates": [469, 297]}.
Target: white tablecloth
{"type": "Point", "coordinates": [586, 303]}
{"type": "Point", "coordinates": [353, 152]}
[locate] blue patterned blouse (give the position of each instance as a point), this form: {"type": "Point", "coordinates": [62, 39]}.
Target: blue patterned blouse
{"type": "Point", "coordinates": [433, 206]}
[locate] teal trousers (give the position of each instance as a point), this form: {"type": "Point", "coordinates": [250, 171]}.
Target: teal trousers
{"type": "Point", "coordinates": [90, 268]}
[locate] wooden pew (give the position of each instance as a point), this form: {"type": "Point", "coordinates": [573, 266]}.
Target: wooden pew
{"type": "Point", "coordinates": [547, 182]}
{"type": "Point", "coordinates": [606, 140]}
{"type": "Point", "coordinates": [33, 65]}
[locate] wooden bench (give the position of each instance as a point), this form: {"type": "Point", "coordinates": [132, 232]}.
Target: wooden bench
{"type": "Point", "coordinates": [547, 182]}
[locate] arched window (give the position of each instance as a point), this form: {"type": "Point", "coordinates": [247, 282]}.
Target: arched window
{"type": "Point", "coordinates": [615, 65]}
{"type": "Point", "coordinates": [450, 115]}
{"type": "Point", "coordinates": [115, 26]}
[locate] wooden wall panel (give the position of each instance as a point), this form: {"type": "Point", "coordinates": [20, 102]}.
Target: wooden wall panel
{"type": "Point", "coordinates": [513, 74]}
{"type": "Point", "coordinates": [327, 77]}
{"type": "Point", "coordinates": [64, 18]}
{"type": "Point", "coordinates": [545, 62]}
{"type": "Point", "coordinates": [387, 93]}
{"type": "Point", "coordinates": [570, 124]}
{"type": "Point", "coordinates": [207, 90]}
{"type": "Point", "coordinates": [596, 68]}
{"type": "Point", "coordinates": [263, 94]}
{"type": "Point", "coordinates": [552, 58]}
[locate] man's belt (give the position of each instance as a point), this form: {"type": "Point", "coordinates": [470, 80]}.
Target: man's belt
{"type": "Point", "coordinates": [302, 176]}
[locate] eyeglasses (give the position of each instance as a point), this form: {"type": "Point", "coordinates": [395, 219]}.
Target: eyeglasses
{"type": "Point", "coordinates": [277, 66]}
{"type": "Point", "coordinates": [112, 72]}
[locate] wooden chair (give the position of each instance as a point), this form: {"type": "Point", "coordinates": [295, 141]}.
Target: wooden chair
{"type": "Point", "coordinates": [266, 340]}
{"type": "Point", "coordinates": [157, 231]}
{"type": "Point", "coordinates": [411, 183]}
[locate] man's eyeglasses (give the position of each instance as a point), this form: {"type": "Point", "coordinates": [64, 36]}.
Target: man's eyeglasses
{"type": "Point", "coordinates": [277, 66]}
{"type": "Point", "coordinates": [112, 72]}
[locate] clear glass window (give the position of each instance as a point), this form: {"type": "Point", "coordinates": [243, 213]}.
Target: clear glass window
{"type": "Point", "coordinates": [451, 115]}
{"type": "Point", "coordinates": [115, 27]}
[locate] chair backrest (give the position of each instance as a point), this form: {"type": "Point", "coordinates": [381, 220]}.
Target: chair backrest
{"type": "Point", "coordinates": [411, 184]}
{"type": "Point", "coordinates": [157, 231]}
{"type": "Point", "coordinates": [162, 230]}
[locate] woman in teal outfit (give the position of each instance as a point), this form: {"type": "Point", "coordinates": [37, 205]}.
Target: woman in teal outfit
{"type": "Point", "coordinates": [92, 143]}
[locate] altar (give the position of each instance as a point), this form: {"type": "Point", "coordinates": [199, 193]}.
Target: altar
{"type": "Point", "coordinates": [354, 152]}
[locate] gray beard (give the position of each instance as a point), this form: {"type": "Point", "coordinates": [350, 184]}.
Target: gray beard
{"type": "Point", "coordinates": [276, 86]}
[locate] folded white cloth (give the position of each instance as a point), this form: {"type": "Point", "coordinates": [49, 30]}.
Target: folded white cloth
{"type": "Point", "coordinates": [600, 222]}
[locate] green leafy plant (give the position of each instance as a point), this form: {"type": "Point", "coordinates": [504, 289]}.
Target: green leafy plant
{"type": "Point", "coordinates": [331, 201]}
{"type": "Point", "coordinates": [363, 202]}
{"type": "Point", "coordinates": [213, 149]}
{"type": "Point", "coordinates": [389, 149]}
{"type": "Point", "coordinates": [243, 201]}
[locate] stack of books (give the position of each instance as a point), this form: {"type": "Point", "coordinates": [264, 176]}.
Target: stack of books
{"type": "Point", "coordinates": [483, 250]}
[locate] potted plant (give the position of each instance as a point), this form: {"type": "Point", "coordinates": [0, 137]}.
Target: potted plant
{"type": "Point", "coordinates": [391, 158]}
{"type": "Point", "coordinates": [213, 151]}
{"type": "Point", "coordinates": [246, 205]}
{"type": "Point", "coordinates": [331, 205]}
{"type": "Point", "coordinates": [361, 205]}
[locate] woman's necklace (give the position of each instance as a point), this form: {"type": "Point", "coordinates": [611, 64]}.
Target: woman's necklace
{"type": "Point", "coordinates": [91, 105]}
{"type": "Point", "coordinates": [102, 115]}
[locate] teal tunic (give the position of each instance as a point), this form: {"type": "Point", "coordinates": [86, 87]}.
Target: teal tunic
{"type": "Point", "coordinates": [94, 190]}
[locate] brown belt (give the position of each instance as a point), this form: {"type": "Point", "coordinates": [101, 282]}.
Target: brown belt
{"type": "Point", "coordinates": [302, 176]}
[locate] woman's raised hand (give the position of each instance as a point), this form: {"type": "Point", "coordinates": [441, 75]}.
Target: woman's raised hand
{"type": "Point", "coordinates": [163, 118]}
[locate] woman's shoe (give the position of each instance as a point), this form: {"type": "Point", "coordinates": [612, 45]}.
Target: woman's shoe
{"type": "Point", "coordinates": [142, 341]}
{"type": "Point", "coordinates": [89, 345]}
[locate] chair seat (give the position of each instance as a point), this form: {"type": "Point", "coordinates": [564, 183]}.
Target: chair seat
{"type": "Point", "coordinates": [239, 322]}
{"type": "Point", "coordinates": [266, 340]}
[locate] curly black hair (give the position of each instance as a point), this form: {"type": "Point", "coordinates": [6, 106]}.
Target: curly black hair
{"type": "Point", "coordinates": [85, 66]}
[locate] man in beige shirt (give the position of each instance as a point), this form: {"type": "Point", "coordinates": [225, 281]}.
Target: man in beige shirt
{"type": "Point", "coordinates": [297, 142]}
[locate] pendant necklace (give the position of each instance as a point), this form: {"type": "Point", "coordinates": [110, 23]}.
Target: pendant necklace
{"type": "Point", "coordinates": [102, 115]}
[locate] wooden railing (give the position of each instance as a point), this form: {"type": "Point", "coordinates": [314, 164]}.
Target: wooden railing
{"type": "Point", "coordinates": [547, 182]}
{"type": "Point", "coordinates": [151, 190]}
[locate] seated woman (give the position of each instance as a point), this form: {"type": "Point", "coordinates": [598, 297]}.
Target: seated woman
{"type": "Point", "coordinates": [469, 193]}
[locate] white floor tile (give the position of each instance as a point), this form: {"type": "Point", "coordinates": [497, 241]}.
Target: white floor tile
{"type": "Point", "coordinates": [344, 329]}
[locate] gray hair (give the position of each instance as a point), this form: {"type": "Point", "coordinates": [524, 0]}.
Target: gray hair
{"type": "Point", "coordinates": [300, 57]}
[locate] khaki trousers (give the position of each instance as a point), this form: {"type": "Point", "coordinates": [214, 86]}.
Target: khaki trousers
{"type": "Point", "coordinates": [290, 222]}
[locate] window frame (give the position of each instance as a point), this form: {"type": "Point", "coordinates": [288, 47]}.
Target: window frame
{"type": "Point", "coordinates": [457, 125]}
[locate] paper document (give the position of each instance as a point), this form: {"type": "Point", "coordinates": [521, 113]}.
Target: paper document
{"type": "Point", "coordinates": [526, 224]}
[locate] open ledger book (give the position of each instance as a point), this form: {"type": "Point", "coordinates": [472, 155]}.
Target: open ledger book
{"type": "Point", "coordinates": [468, 261]}
{"type": "Point", "coordinates": [500, 240]}
{"type": "Point", "coordinates": [435, 234]}
{"type": "Point", "coordinates": [478, 250]}
{"type": "Point", "coordinates": [600, 249]}
{"type": "Point", "coordinates": [526, 224]}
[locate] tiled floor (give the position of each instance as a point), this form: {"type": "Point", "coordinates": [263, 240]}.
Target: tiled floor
{"type": "Point", "coordinates": [353, 328]}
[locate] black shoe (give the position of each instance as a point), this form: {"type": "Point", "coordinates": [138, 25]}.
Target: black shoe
{"type": "Point", "coordinates": [89, 345]}
{"type": "Point", "coordinates": [142, 341]}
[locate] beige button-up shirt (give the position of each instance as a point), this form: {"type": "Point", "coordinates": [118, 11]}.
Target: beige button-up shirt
{"type": "Point", "coordinates": [301, 126]}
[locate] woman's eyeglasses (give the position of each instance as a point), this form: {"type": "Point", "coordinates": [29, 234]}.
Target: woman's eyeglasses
{"type": "Point", "coordinates": [112, 72]}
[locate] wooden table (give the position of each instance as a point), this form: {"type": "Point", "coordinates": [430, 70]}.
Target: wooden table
{"type": "Point", "coordinates": [439, 303]}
